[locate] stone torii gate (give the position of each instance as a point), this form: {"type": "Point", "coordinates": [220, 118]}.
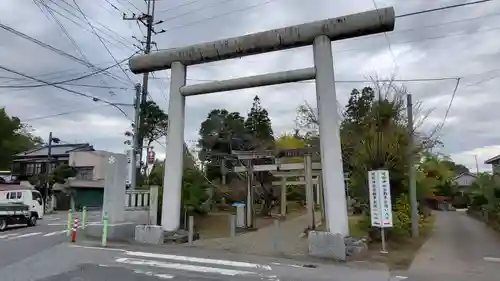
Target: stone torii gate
{"type": "Point", "coordinates": [319, 34]}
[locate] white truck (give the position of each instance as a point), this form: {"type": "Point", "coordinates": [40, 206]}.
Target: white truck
{"type": "Point", "coordinates": [19, 205]}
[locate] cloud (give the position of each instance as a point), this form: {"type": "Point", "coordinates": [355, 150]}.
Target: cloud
{"type": "Point", "coordinates": [460, 42]}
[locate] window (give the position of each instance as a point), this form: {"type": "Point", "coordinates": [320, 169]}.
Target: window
{"type": "Point", "coordinates": [30, 168]}
{"type": "Point", "coordinates": [19, 195]}
{"type": "Point", "coordinates": [85, 173]}
{"type": "Point", "coordinates": [38, 168]}
{"type": "Point", "coordinates": [36, 196]}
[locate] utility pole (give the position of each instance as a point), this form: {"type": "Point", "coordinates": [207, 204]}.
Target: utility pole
{"type": "Point", "coordinates": [477, 165]}
{"type": "Point", "coordinates": [148, 21]}
{"type": "Point", "coordinates": [136, 147]}
{"type": "Point", "coordinates": [411, 168]}
{"type": "Point", "coordinates": [48, 169]}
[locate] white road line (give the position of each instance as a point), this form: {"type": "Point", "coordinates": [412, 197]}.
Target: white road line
{"type": "Point", "coordinates": [7, 235]}
{"type": "Point", "coordinates": [25, 235]}
{"type": "Point", "coordinates": [492, 259]}
{"type": "Point", "coordinates": [95, 248]}
{"type": "Point", "coordinates": [61, 224]}
{"type": "Point", "coordinates": [55, 233]}
{"type": "Point", "coordinates": [186, 267]}
{"type": "Point", "coordinates": [149, 273]}
{"type": "Point", "coordinates": [198, 260]}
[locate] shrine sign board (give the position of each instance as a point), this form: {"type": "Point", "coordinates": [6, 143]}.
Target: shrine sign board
{"type": "Point", "coordinates": [380, 198]}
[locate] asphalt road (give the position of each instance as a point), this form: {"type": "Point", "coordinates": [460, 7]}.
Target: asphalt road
{"type": "Point", "coordinates": [70, 262]}
{"type": "Point", "coordinates": [460, 249]}
{"type": "Point", "coordinates": [18, 243]}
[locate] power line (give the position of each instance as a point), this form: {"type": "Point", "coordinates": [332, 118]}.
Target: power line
{"type": "Point", "coordinates": [442, 8]}
{"type": "Point", "coordinates": [67, 80]}
{"type": "Point", "coordinates": [102, 41]}
{"type": "Point", "coordinates": [196, 10]}
{"type": "Point", "coordinates": [396, 67]}
{"type": "Point", "coordinates": [220, 15]}
{"type": "Point", "coordinates": [66, 89]}
{"type": "Point", "coordinates": [440, 126]}
{"type": "Point", "coordinates": [62, 113]}
{"type": "Point", "coordinates": [180, 5]}
{"type": "Point", "coordinates": [85, 28]}
{"type": "Point", "coordinates": [54, 49]}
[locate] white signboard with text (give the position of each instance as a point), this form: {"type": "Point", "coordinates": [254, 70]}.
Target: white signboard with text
{"type": "Point", "coordinates": [380, 198]}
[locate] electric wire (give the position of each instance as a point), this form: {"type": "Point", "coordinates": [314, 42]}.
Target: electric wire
{"type": "Point", "coordinates": [102, 41]}
{"type": "Point", "coordinates": [67, 80]}
{"type": "Point", "coordinates": [442, 8]}
{"type": "Point", "coordinates": [94, 98]}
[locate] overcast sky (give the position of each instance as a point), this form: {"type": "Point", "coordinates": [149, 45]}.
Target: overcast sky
{"type": "Point", "coordinates": [453, 43]}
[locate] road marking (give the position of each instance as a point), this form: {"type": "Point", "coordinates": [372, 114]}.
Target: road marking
{"type": "Point", "coordinates": [400, 277]}
{"type": "Point", "coordinates": [95, 248]}
{"type": "Point", "coordinates": [55, 233]}
{"type": "Point", "coordinates": [149, 273]}
{"type": "Point", "coordinates": [7, 235]}
{"type": "Point", "coordinates": [492, 259]}
{"type": "Point", "coordinates": [186, 267]}
{"type": "Point", "coordinates": [25, 235]}
{"type": "Point", "coordinates": [61, 224]}
{"type": "Point", "coordinates": [198, 260]}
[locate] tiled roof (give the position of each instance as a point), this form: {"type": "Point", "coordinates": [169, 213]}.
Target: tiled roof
{"type": "Point", "coordinates": [57, 149]}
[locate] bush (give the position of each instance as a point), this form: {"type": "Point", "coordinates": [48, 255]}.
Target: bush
{"type": "Point", "coordinates": [401, 217]}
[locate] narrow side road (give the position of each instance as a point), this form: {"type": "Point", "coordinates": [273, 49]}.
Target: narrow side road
{"type": "Point", "coordinates": [461, 248]}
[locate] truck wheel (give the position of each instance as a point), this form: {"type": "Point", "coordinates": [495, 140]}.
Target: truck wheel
{"type": "Point", "coordinates": [32, 220]}
{"type": "Point", "coordinates": [3, 224]}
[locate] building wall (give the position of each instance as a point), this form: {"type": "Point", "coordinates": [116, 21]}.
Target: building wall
{"type": "Point", "coordinates": [465, 180]}
{"type": "Point", "coordinates": [97, 159]}
{"type": "Point", "coordinates": [496, 168]}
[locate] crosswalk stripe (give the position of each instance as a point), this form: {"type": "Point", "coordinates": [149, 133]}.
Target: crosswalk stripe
{"type": "Point", "coordinates": [185, 267]}
{"type": "Point", "coordinates": [198, 260]}
{"type": "Point", "coordinates": [55, 233]}
{"type": "Point", "coordinates": [25, 235]}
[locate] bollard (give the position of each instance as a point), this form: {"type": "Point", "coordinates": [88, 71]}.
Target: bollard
{"type": "Point", "coordinates": [190, 229]}
{"type": "Point", "coordinates": [73, 232]}
{"type": "Point", "coordinates": [84, 217]}
{"type": "Point", "coordinates": [70, 218]}
{"type": "Point", "coordinates": [232, 225]}
{"type": "Point", "coordinates": [276, 236]}
{"type": "Point", "coordinates": [104, 230]}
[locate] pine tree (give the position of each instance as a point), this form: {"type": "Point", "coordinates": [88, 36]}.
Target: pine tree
{"type": "Point", "coordinates": [258, 124]}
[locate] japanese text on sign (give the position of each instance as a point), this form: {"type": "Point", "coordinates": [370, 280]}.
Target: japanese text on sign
{"type": "Point", "coordinates": [380, 198]}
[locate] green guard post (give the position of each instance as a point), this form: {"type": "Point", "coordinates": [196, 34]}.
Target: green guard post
{"type": "Point", "coordinates": [104, 230]}
{"type": "Point", "coordinates": [84, 217]}
{"type": "Point", "coordinates": [70, 219]}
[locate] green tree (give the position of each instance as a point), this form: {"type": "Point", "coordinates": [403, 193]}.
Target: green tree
{"type": "Point", "coordinates": [258, 125]}
{"type": "Point", "coordinates": [15, 137]}
{"type": "Point", "coordinates": [373, 136]}
{"type": "Point", "coordinates": [154, 123]}
{"type": "Point", "coordinates": [220, 133]}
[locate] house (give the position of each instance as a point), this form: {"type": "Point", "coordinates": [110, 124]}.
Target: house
{"type": "Point", "coordinates": [34, 162]}
{"type": "Point", "coordinates": [88, 183]}
{"type": "Point", "coordinates": [464, 182]}
{"type": "Point", "coordinates": [495, 164]}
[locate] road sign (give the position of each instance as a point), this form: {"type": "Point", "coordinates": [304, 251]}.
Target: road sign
{"type": "Point", "coordinates": [380, 198]}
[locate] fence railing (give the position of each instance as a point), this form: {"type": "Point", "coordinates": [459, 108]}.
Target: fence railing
{"type": "Point", "coordinates": [137, 199]}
